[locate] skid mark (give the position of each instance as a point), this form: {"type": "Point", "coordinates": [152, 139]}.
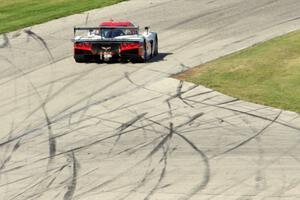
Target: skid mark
{"type": "Point", "coordinates": [40, 40]}
{"type": "Point", "coordinates": [254, 136]}
{"type": "Point", "coordinates": [72, 185]}
{"type": "Point", "coordinates": [5, 42]}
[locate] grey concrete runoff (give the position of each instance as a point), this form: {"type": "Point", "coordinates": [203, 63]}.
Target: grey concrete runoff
{"type": "Point", "coordinates": [129, 132]}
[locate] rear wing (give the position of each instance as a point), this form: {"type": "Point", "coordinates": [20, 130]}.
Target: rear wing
{"type": "Point", "coordinates": [91, 29]}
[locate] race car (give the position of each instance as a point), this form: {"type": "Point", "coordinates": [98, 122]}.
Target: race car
{"type": "Point", "coordinates": [120, 41]}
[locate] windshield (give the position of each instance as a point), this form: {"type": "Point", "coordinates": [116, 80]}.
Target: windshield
{"type": "Point", "coordinates": [115, 32]}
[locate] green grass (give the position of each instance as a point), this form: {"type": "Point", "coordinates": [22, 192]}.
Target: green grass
{"type": "Point", "coordinates": [267, 73]}
{"type": "Point", "coordinates": [15, 14]}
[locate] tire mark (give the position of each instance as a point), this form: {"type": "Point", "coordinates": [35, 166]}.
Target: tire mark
{"type": "Point", "coordinates": [129, 169]}
{"type": "Point", "coordinates": [144, 180]}
{"type": "Point", "coordinates": [205, 160]}
{"type": "Point", "coordinates": [69, 107]}
{"type": "Point", "coordinates": [125, 126]}
{"type": "Point", "coordinates": [254, 136]}
{"type": "Point", "coordinates": [123, 107]}
{"type": "Point", "coordinates": [5, 160]}
{"type": "Point", "coordinates": [164, 169]}
{"type": "Point", "coordinates": [135, 149]}
{"type": "Point", "coordinates": [39, 67]}
{"type": "Point", "coordinates": [253, 174]}
{"type": "Point", "coordinates": [260, 176]}
{"type": "Point", "coordinates": [228, 102]}
{"type": "Point", "coordinates": [74, 80]}
{"type": "Point", "coordinates": [84, 111]}
{"type": "Point", "coordinates": [161, 144]}
{"type": "Point", "coordinates": [161, 177]}
{"type": "Point", "coordinates": [44, 186]}
{"type": "Point", "coordinates": [86, 145]}
{"type": "Point", "coordinates": [90, 144]}
{"type": "Point", "coordinates": [247, 113]}
{"type": "Point", "coordinates": [52, 141]}
{"type": "Point", "coordinates": [131, 122]}
{"type": "Point", "coordinates": [8, 158]}
{"type": "Point", "coordinates": [192, 119]}
{"type": "Point", "coordinates": [32, 186]}
{"type": "Point", "coordinates": [86, 18]}
{"type": "Point", "coordinates": [16, 34]}
{"type": "Point", "coordinates": [5, 41]}
{"type": "Point", "coordinates": [179, 93]}
{"type": "Point", "coordinates": [142, 86]}
{"type": "Point", "coordinates": [41, 105]}
{"type": "Point", "coordinates": [106, 86]}
{"type": "Point", "coordinates": [72, 185]}
{"type": "Point", "coordinates": [15, 181]}
{"type": "Point", "coordinates": [105, 183]}
{"type": "Point", "coordinates": [40, 40]}
{"type": "Point", "coordinates": [206, 176]}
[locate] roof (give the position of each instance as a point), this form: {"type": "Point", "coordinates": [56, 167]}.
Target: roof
{"type": "Point", "coordinates": [113, 23]}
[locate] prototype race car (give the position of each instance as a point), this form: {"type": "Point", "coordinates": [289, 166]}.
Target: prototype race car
{"type": "Point", "coordinates": [112, 40]}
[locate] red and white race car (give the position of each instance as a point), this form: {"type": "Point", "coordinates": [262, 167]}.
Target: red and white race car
{"type": "Point", "coordinates": [112, 40]}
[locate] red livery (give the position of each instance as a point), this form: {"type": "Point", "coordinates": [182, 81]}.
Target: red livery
{"type": "Point", "coordinates": [114, 41]}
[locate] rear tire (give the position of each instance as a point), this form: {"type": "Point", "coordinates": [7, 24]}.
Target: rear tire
{"type": "Point", "coordinates": [142, 59]}
{"type": "Point", "coordinates": [145, 53]}
{"type": "Point", "coordinates": [80, 58]}
{"type": "Point", "coordinates": [156, 47]}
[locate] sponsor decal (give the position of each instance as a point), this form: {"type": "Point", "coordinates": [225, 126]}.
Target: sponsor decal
{"type": "Point", "coordinates": [106, 48]}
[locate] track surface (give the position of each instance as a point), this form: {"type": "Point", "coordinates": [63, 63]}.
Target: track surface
{"type": "Point", "coordinates": [127, 131]}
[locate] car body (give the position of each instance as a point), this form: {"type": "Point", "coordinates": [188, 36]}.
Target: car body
{"type": "Point", "coordinates": [113, 40]}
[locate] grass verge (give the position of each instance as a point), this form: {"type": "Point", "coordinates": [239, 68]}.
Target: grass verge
{"type": "Point", "coordinates": [16, 14]}
{"type": "Point", "coordinates": [267, 73]}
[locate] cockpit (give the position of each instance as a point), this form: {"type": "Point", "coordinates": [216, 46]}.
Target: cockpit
{"type": "Point", "coordinates": [116, 32]}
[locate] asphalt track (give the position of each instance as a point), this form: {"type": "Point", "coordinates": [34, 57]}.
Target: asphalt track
{"type": "Point", "coordinates": [128, 131]}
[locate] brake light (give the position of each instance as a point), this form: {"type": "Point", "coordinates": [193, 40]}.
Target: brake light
{"type": "Point", "coordinates": [83, 46]}
{"type": "Point", "coordinates": [130, 45]}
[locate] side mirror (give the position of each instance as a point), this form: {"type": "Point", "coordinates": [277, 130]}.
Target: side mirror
{"type": "Point", "coordinates": [147, 29]}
